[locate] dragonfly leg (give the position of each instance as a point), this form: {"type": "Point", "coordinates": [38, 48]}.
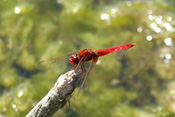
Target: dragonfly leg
{"type": "Point", "coordinates": [83, 71]}
{"type": "Point", "coordinates": [82, 66]}
{"type": "Point", "coordinates": [85, 77]}
{"type": "Point", "coordinates": [73, 68]}
{"type": "Point", "coordinates": [79, 65]}
{"type": "Point", "coordinates": [84, 74]}
{"type": "Point", "coordinates": [77, 69]}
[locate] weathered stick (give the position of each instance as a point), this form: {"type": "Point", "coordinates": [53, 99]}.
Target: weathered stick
{"type": "Point", "coordinates": [57, 96]}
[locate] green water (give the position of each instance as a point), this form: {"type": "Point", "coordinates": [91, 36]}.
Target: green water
{"type": "Point", "coordinates": [139, 82]}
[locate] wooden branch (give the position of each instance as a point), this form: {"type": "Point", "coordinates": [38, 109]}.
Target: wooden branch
{"type": "Point", "coordinates": [57, 96]}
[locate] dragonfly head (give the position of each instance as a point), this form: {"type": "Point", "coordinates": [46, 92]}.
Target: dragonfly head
{"type": "Point", "coordinates": [74, 59]}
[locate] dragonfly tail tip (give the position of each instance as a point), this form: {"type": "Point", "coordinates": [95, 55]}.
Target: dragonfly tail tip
{"type": "Point", "coordinates": [133, 44]}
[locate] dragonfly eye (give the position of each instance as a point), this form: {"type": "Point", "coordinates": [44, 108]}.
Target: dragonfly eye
{"type": "Point", "coordinates": [74, 59]}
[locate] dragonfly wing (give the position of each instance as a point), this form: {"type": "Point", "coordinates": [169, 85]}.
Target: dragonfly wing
{"type": "Point", "coordinates": [55, 62]}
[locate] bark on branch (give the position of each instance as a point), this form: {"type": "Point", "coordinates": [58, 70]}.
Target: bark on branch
{"type": "Point", "coordinates": [57, 96]}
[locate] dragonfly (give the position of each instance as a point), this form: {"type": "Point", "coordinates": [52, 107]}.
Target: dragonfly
{"type": "Point", "coordinates": [78, 58]}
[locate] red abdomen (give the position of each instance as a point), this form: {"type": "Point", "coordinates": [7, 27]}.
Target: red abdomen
{"type": "Point", "coordinates": [103, 52]}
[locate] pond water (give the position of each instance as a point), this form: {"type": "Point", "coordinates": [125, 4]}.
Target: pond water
{"type": "Point", "coordinates": [138, 82]}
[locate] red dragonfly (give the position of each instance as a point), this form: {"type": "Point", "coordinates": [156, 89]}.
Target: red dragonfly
{"type": "Point", "coordinates": [80, 57]}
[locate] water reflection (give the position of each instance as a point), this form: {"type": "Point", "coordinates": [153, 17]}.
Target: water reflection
{"type": "Point", "coordinates": [59, 1]}
{"type": "Point", "coordinates": [163, 25]}
{"type": "Point", "coordinates": [150, 17]}
{"type": "Point", "coordinates": [157, 30]}
{"type": "Point", "coordinates": [153, 25]}
{"type": "Point", "coordinates": [166, 61]}
{"type": "Point", "coordinates": [75, 10]}
{"type": "Point", "coordinates": [113, 11]}
{"type": "Point", "coordinates": [158, 23]}
{"type": "Point", "coordinates": [20, 93]}
{"type": "Point", "coordinates": [167, 41]}
{"type": "Point", "coordinates": [129, 3]}
{"type": "Point", "coordinates": [149, 37]}
{"type": "Point", "coordinates": [168, 27]}
{"type": "Point", "coordinates": [104, 16]}
{"type": "Point", "coordinates": [168, 56]}
{"type": "Point", "coordinates": [159, 20]}
{"type": "Point", "coordinates": [169, 18]}
{"type": "Point", "coordinates": [14, 106]}
{"type": "Point", "coordinates": [139, 29]}
{"type": "Point", "coordinates": [17, 10]}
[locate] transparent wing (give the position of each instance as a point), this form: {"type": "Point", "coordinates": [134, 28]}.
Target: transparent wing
{"type": "Point", "coordinates": [56, 62]}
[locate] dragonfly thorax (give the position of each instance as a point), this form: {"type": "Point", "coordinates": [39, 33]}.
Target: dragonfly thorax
{"type": "Point", "coordinates": [74, 59]}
